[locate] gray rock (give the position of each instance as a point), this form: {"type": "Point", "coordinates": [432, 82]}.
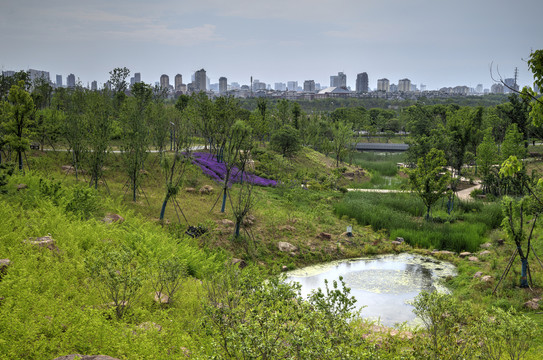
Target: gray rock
{"type": "Point", "coordinates": [44, 242]}
{"type": "Point", "coordinates": [113, 218]}
{"type": "Point", "coordinates": [325, 236]}
{"type": "Point", "coordinates": [286, 247]}
{"type": "Point", "coordinates": [486, 278]}
{"type": "Point", "coordinates": [532, 304]}
{"type": "Point", "coordinates": [484, 253]}
{"type": "Point", "coordinates": [464, 254]}
{"type": "Point", "coordinates": [473, 259]}
{"type": "Point", "coordinates": [4, 264]}
{"type": "Point", "coordinates": [239, 262]}
{"type": "Point", "coordinates": [486, 245]}
{"type": "Point", "coordinates": [21, 187]}
{"type": "Point", "coordinates": [478, 274]}
{"type": "Point", "coordinates": [400, 239]}
{"type": "Point", "coordinates": [206, 189]}
{"type": "Point", "coordinates": [161, 298]}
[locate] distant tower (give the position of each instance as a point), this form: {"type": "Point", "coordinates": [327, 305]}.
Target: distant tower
{"type": "Point", "coordinates": [383, 85]}
{"type": "Point", "coordinates": [200, 80]}
{"type": "Point", "coordinates": [164, 81]}
{"type": "Point", "coordinates": [404, 85]}
{"type": "Point", "coordinates": [223, 85]}
{"type": "Point", "coordinates": [362, 83]}
{"type": "Point", "coordinates": [94, 85]}
{"type": "Point", "coordinates": [137, 77]}
{"type": "Point", "coordinates": [70, 81]}
{"type": "Point", "coordinates": [59, 80]}
{"type": "Point", "coordinates": [516, 78]}
{"type": "Point", "coordinates": [309, 86]}
{"type": "Point", "coordinates": [178, 82]}
{"type": "Point", "coordinates": [251, 86]}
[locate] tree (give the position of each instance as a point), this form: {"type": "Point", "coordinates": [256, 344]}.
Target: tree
{"type": "Point", "coordinates": [118, 83]}
{"type": "Point", "coordinates": [513, 144]}
{"type": "Point", "coordinates": [18, 111]}
{"type": "Point", "coordinates": [135, 134]}
{"type": "Point", "coordinates": [286, 141]}
{"type": "Point", "coordinates": [428, 180]}
{"type": "Point", "coordinates": [487, 157]}
{"type": "Point", "coordinates": [342, 136]}
{"type": "Point", "coordinates": [73, 130]}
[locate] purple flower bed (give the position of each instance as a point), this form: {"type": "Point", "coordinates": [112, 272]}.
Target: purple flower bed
{"type": "Point", "coordinates": [209, 165]}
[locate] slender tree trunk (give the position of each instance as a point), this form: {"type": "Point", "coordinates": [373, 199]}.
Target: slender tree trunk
{"type": "Point", "coordinates": [20, 155]}
{"type": "Point", "coordinates": [224, 199]}
{"type": "Point", "coordinates": [238, 224]}
{"type": "Point", "coordinates": [163, 209]}
{"type": "Point", "coordinates": [523, 275]}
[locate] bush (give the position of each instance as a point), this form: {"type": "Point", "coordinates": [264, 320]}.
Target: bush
{"type": "Point", "coordinates": [286, 141]}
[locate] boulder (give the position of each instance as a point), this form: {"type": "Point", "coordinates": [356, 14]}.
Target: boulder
{"type": "Point", "coordinates": [85, 357]}
{"type": "Point", "coordinates": [443, 252]}
{"type": "Point", "coordinates": [249, 220]}
{"type": "Point", "coordinates": [227, 222]}
{"type": "Point", "coordinates": [190, 190]}
{"type": "Point", "coordinates": [400, 239]}
{"type": "Point", "coordinates": [239, 262]}
{"type": "Point", "coordinates": [21, 187]}
{"type": "Point", "coordinates": [206, 189]}
{"type": "Point", "coordinates": [473, 259]}
{"type": "Point", "coordinates": [484, 253]}
{"type": "Point", "coordinates": [464, 254]}
{"type": "Point", "coordinates": [486, 245]}
{"type": "Point", "coordinates": [325, 236]}
{"type": "Point", "coordinates": [286, 247]}
{"type": "Point", "coordinates": [113, 218]}
{"type": "Point", "coordinates": [44, 242]}
{"type": "Point", "coordinates": [478, 274]}
{"type": "Point", "coordinates": [161, 298]}
{"type": "Point", "coordinates": [532, 304]}
{"type": "Point", "coordinates": [284, 268]}
{"type": "Point", "coordinates": [486, 278]}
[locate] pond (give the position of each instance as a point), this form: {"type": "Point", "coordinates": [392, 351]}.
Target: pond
{"type": "Point", "coordinates": [384, 285]}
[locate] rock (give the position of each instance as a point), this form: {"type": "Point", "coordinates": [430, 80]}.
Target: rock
{"type": "Point", "coordinates": [227, 222]}
{"type": "Point", "coordinates": [190, 190]}
{"type": "Point", "coordinates": [464, 254]}
{"type": "Point", "coordinates": [4, 263]}
{"type": "Point", "coordinates": [249, 220]}
{"type": "Point", "coordinates": [286, 247]}
{"type": "Point", "coordinates": [395, 242]}
{"type": "Point", "coordinates": [240, 263]}
{"type": "Point", "coordinates": [400, 239]}
{"type": "Point", "coordinates": [484, 253]}
{"type": "Point", "coordinates": [500, 242]}
{"type": "Point", "coordinates": [325, 236]}
{"type": "Point", "coordinates": [113, 218]}
{"type": "Point", "coordinates": [443, 252]}
{"type": "Point", "coordinates": [486, 278]}
{"type": "Point", "coordinates": [284, 268]}
{"type": "Point", "coordinates": [161, 298]}
{"type": "Point", "coordinates": [44, 242]}
{"type": "Point", "coordinates": [287, 228]}
{"type": "Point", "coordinates": [85, 357]}
{"type": "Point", "coordinates": [206, 189]}
{"type": "Point", "coordinates": [478, 274]}
{"type": "Point", "coordinates": [473, 259]}
{"type": "Point", "coordinates": [486, 245]}
{"type": "Point", "coordinates": [21, 187]}
{"type": "Point", "coordinates": [532, 304]}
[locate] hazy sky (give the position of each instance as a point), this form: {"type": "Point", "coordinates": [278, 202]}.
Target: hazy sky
{"type": "Point", "coordinates": [434, 42]}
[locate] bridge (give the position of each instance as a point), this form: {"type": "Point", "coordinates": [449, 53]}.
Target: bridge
{"type": "Point", "coordinates": [382, 147]}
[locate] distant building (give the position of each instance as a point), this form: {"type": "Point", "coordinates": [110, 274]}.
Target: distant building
{"type": "Point", "coordinates": [479, 88]}
{"type": "Point", "coordinates": [200, 80]}
{"type": "Point", "coordinates": [38, 75]}
{"type": "Point", "coordinates": [164, 81]}
{"type": "Point", "coordinates": [94, 86]}
{"type": "Point", "coordinates": [70, 81]}
{"type": "Point", "coordinates": [496, 88]}
{"type": "Point", "coordinates": [362, 83]}
{"type": "Point", "coordinates": [280, 86]}
{"type": "Point", "coordinates": [234, 85]}
{"type": "Point", "coordinates": [422, 87]}
{"type": "Point", "coordinates": [414, 87]}
{"type": "Point", "coordinates": [59, 81]}
{"type": "Point", "coordinates": [383, 85]}
{"type": "Point", "coordinates": [339, 80]}
{"type": "Point", "coordinates": [309, 86]}
{"type": "Point", "coordinates": [292, 85]}
{"type": "Point", "coordinates": [223, 85]}
{"type": "Point", "coordinates": [404, 85]}
{"type": "Point", "coordinates": [178, 81]}
{"type": "Point", "coordinates": [258, 85]}
{"type": "Point", "coordinates": [510, 85]}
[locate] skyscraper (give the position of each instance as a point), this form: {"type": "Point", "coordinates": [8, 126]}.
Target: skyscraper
{"type": "Point", "coordinates": [404, 85]}
{"type": "Point", "coordinates": [178, 82]}
{"type": "Point", "coordinates": [164, 81]}
{"type": "Point", "coordinates": [137, 77]}
{"type": "Point", "coordinates": [339, 80]}
{"type": "Point", "coordinates": [362, 83]}
{"type": "Point", "coordinates": [309, 86]}
{"type": "Point", "coordinates": [292, 85]}
{"type": "Point", "coordinates": [223, 85]}
{"type": "Point", "coordinates": [383, 85]}
{"type": "Point", "coordinates": [200, 80]}
{"type": "Point", "coordinates": [59, 80]}
{"type": "Point", "coordinates": [94, 85]}
{"type": "Point", "coordinates": [70, 81]}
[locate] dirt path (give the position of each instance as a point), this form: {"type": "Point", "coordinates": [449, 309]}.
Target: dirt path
{"type": "Point", "coordinates": [462, 194]}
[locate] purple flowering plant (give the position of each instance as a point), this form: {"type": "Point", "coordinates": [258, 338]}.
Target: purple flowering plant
{"type": "Point", "coordinates": [211, 167]}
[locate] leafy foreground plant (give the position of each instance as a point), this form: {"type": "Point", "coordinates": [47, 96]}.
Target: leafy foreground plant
{"type": "Point", "coordinates": [248, 317]}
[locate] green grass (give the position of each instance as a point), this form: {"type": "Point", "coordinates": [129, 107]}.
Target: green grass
{"type": "Point", "coordinates": [382, 164]}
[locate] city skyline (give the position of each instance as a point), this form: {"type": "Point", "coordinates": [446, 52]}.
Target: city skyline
{"type": "Point", "coordinates": [433, 43]}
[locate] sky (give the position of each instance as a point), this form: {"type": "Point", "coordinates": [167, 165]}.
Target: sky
{"type": "Point", "coordinates": [434, 42]}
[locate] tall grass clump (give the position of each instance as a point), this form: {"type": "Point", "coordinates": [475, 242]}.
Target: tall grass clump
{"type": "Point", "coordinates": [400, 215]}
{"type": "Point", "coordinates": [383, 164]}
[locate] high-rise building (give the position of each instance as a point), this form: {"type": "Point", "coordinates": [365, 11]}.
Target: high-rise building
{"type": "Point", "coordinates": [137, 77]}
{"type": "Point", "coordinates": [292, 85]}
{"type": "Point", "coordinates": [59, 80]}
{"type": "Point", "coordinates": [38, 75]}
{"type": "Point", "coordinates": [258, 85]}
{"type": "Point", "coordinates": [164, 81]}
{"type": "Point", "coordinates": [510, 85]}
{"type": "Point", "coordinates": [223, 85]}
{"type": "Point", "coordinates": [178, 81]}
{"type": "Point", "coordinates": [496, 88]}
{"type": "Point", "coordinates": [200, 80]}
{"type": "Point", "coordinates": [422, 87]}
{"type": "Point", "coordinates": [362, 83]}
{"type": "Point", "coordinates": [309, 86]}
{"type": "Point", "coordinates": [94, 85]}
{"type": "Point", "coordinates": [404, 85]}
{"type": "Point", "coordinates": [70, 81]}
{"type": "Point", "coordinates": [339, 80]}
{"type": "Point", "coordinates": [393, 88]}
{"type": "Point", "coordinates": [383, 85]}
{"type": "Point", "coordinates": [479, 88]}
{"type": "Point", "coordinates": [280, 86]}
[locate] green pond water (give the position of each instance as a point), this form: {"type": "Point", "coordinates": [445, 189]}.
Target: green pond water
{"type": "Point", "coordinates": [384, 285]}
